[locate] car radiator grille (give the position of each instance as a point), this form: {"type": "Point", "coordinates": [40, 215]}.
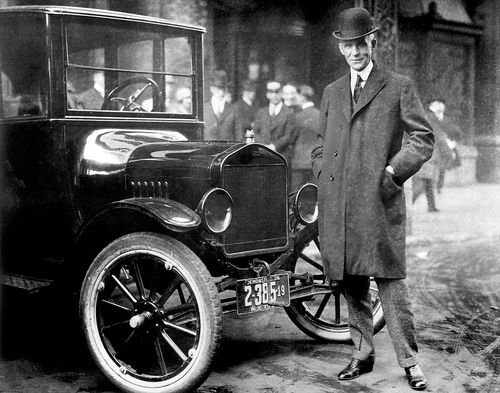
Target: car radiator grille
{"type": "Point", "coordinates": [259, 222]}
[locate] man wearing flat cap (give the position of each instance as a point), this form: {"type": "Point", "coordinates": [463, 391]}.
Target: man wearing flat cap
{"type": "Point", "coordinates": [220, 120]}
{"type": "Point", "coordinates": [362, 162]}
{"type": "Point", "coordinates": [274, 124]}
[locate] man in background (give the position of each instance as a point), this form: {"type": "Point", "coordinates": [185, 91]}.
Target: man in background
{"type": "Point", "coordinates": [245, 109]}
{"type": "Point", "coordinates": [93, 98]}
{"type": "Point", "coordinates": [452, 135]}
{"type": "Point", "coordinates": [274, 124]}
{"type": "Point", "coordinates": [220, 120]}
{"type": "Point", "coordinates": [291, 97]}
{"type": "Point", "coordinates": [306, 127]}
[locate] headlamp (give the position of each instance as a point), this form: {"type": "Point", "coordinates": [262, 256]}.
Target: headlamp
{"type": "Point", "coordinates": [305, 205]}
{"type": "Point", "coordinates": [216, 210]}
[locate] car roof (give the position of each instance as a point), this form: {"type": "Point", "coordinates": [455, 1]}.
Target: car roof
{"type": "Point", "coordinates": [100, 13]}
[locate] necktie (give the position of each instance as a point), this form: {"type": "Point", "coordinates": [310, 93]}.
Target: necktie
{"type": "Point", "coordinates": [357, 89]}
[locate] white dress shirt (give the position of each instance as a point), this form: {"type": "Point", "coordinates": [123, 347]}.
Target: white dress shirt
{"type": "Point", "coordinates": [363, 74]}
{"type": "Point", "coordinates": [275, 109]}
{"type": "Point", "coordinates": [218, 106]}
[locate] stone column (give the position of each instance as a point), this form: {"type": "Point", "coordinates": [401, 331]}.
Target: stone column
{"type": "Point", "coordinates": [488, 93]}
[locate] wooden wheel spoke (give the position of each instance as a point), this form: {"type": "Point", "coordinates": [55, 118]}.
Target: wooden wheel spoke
{"type": "Point", "coordinates": [185, 309]}
{"type": "Point", "coordinates": [138, 280]}
{"type": "Point", "coordinates": [176, 282]}
{"type": "Point", "coordinates": [116, 306]}
{"type": "Point", "coordinates": [311, 262]}
{"type": "Point", "coordinates": [337, 308]}
{"type": "Point", "coordinates": [113, 325]}
{"type": "Point", "coordinates": [127, 341]}
{"type": "Point", "coordinates": [323, 304]}
{"type": "Point", "coordinates": [159, 355]}
{"type": "Point", "coordinates": [124, 289]}
{"type": "Point", "coordinates": [174, 346]}
{"type": "Point", "coordinates": [179, 328]}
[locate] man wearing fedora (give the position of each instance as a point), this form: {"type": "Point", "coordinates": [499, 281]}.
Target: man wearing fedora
{"type": "Point", "coordinates": [220, 120]}
{"type": "Point", "coordinates": [274, 124]}
{"type": "Point", "coordinates": [361, 164]}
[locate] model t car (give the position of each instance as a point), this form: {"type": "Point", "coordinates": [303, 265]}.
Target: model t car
{"type": "Point", "coordinates": [109, 191]}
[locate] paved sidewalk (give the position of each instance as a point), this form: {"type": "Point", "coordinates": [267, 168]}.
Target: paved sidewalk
{"type": "Point", "coordinates": [465, 212]}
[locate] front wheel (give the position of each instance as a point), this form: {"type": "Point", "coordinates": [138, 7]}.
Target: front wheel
{"type": "Point", "coordinates": [151, 314]}
{"type": "Point", "coordinates": [323, 316]}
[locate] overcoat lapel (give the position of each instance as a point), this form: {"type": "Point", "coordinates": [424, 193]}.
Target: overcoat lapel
{"type": "Point", "coordinates": [375, 83]}
{"type": "Point", "coordinates": [345, 97]}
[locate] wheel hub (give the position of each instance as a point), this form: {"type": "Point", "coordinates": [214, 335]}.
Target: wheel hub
{"type": "Point", "coordinates": [145, 314]}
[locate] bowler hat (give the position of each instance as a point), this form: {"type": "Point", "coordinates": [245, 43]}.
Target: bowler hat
{"type": "Point", "coordinates": [354, 23]}
{"type": "Point", "coordinates": [219, 79]}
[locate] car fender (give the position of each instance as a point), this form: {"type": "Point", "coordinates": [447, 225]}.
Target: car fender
{"type": "Point", "coordinates": [172, 215]}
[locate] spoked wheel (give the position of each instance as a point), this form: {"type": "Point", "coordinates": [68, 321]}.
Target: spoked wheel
{"type": "Point", "coordinates": [151, 314]}
{"type": "Point", "coordinates": [322, 316]}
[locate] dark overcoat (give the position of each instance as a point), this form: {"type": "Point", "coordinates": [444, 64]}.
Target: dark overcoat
{"type": "Point", "coordinates": [221, 127]}
{"type": "Point", "coordinates": [278, 129]}
{"type": "Point", "coordinates": [244, 116]}
{"type": "Point", "coordinates": [306, 129]}
{"type": "Point", "coordinates": [362, 208]}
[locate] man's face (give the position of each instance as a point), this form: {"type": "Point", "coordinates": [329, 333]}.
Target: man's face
{"type": "Point", "coordinates": [357, 53]}
{"type": "Point", "coordinates": [438, 108]}
{"type": "Point", "coordinates": [274, 97]}
{"type": "Point", "coordinates": [289, 95]}
{"type": "Point", "coordinates": [217, 92]}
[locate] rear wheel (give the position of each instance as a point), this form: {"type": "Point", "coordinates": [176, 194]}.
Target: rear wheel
{"type": "Point", "coordinates": [322, 316]}
{"type": "Point", "coordinates": [151, 314]}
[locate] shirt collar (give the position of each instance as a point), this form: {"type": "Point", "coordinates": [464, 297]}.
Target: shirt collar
{"type": "Point", "coordinates": [277, 108]}
{"type": "Point", "coordinates": [365, 73]}
{"type": "Point", "coordinates": [247, 101]}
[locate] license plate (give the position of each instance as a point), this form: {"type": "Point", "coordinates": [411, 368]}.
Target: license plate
{"type": "Point", "coordinates": [262, 293]}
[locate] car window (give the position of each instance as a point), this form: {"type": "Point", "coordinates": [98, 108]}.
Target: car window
{"type": "Point", "coordinates": [23, 65]}
{"type": "Point", "coordinates": [128, 67]}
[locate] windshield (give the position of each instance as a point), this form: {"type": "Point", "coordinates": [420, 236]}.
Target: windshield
{"type": "Point", "coordinates": [128, 67]}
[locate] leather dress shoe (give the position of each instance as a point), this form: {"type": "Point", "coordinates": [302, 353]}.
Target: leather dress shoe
{"type": "Point", "coordinates": [416, 378]}
{"type": "Point", "coordinates": [357, 367]}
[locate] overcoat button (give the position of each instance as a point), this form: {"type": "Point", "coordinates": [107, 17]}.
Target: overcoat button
{"type": "Point", "coordinates": [336, 153]}
{"type": "Point", "coordinates": [332, 178]}
{"type": "Point", "coordinates": [341, 128]}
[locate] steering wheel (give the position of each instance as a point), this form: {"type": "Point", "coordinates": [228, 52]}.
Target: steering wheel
{"type": "Point", "coordinates": [130, 103]}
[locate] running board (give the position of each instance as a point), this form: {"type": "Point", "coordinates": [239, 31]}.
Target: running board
{"type": "Point", "coordinates": [25, 283]}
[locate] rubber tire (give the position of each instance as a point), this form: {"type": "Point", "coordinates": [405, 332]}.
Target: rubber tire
{"type": "Point", "coordinates": [307, 324]}
{"type": "Point", "coordinates": [206, 295]}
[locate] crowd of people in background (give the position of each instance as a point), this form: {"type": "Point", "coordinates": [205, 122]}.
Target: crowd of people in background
{"type": "Point", "coordinates": [287, 124]}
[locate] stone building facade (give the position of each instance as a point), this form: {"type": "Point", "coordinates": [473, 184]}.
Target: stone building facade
{"type": "Point", "coordinates": [450, 48]}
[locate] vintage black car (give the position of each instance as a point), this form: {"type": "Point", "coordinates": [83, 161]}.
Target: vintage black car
{"type": "Point", "coordinates": [110, 192]}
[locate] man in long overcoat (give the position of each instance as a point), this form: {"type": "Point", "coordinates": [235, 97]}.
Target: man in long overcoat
{"type": "Point", "coordinates": [361, 163]}
{"type": "Point", "coordinates": [220, 119]}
